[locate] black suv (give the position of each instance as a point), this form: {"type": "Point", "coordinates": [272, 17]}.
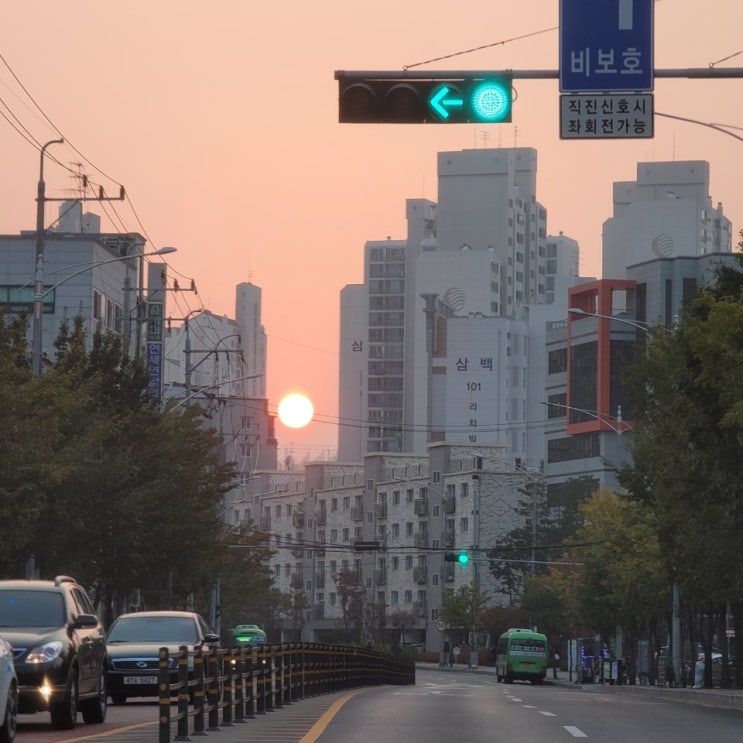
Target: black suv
{"type": "Point", "coordinates": [59, 648]}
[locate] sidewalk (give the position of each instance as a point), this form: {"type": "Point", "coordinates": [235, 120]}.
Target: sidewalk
{"type": "Point", "coordinates": [721, 698]}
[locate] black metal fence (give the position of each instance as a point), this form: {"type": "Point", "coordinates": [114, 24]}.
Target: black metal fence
{"type": "Point", "coordinates": [219, 686]}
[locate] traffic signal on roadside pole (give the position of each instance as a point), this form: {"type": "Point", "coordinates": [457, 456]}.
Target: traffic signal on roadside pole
{"type": "Point", "coordinates": [462, 557]}
{"type": "Point", "coordinates": [369, 99]}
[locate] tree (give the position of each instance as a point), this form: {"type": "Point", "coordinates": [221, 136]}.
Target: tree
{"type": "Point", "coordinates": [462, 609]}
{"type": "Point", "coordinates": [686, 448]}
{"type": "Point", "coordinates": [246, 582]}
{"type": "Point", "coordinates": [400, 620]}
{"type": "Point", "coordinates": [547, 522]}
{"type": "Point", "coordinates": [351, 599]}
{"type": "Point", "coordinates": [118, 493]}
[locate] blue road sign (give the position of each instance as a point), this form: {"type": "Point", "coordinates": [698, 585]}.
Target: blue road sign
{"type": "Point", "coordinates": [606, 46]}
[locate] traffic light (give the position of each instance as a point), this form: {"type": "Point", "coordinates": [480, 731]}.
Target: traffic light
{"type": "Point", "coordinates": [366, 99]}
{"type": "Point", "coordinates": [461, 557]}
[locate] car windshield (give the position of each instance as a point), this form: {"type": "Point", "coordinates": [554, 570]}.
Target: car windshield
{"type": "Point", "coordinates": [31, 608]}
{"type": "Point", "coordinates": [153, 629]}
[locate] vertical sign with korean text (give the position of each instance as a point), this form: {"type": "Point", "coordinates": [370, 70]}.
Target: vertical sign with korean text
{"type": "Point", "coordinates": [155, 318]}
{"type": "Point", "coordinates": [606, 46]}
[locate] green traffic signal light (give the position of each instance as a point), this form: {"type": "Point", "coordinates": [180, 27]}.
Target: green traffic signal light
{"type": "Point", "coordinates": [491, 101]}
{"type": "Point", "coordinates": [366, 98]}
{"type": "Point", "coordinates": [463, 558]}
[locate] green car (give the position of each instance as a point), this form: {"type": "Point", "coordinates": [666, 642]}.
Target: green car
{"type": "Point", "coordinates": [248, 634]}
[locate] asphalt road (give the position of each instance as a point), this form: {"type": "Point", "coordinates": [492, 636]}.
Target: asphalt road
{"type": "Point", "coordinates": [444, 706]}
{"type": "Point", "coordinates": [469, 708]}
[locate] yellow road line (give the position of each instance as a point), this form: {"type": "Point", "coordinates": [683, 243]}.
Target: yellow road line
{"type": "Point", "coordinates": [318, 728]}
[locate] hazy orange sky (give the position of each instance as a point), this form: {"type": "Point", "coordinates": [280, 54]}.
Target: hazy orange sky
{"type": "Point", "coordinates": [221, 121]}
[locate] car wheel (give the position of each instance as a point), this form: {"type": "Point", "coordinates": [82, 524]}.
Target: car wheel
{"type": "Point", "coordinates": [94, 710]}
{"type": "Point", "coordinates": [64, 712]}
{"type": "Point", "coordinates": [7, 731]}
{"type": "Point", "coordinates": [118, 698]}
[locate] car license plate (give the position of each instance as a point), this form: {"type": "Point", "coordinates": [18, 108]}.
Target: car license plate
{"type": "Point", "coordinates": [137, 680]}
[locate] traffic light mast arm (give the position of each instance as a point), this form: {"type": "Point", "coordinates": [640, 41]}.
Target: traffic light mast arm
{"type": "Point", "coordinates": [689, 72]}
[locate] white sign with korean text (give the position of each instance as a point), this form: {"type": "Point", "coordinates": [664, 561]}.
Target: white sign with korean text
{"type": "Point", "coordinates": [610, 116]}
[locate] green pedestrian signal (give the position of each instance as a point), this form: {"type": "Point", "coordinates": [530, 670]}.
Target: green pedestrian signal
{"type": "Point", "coordinates": [392, 98]}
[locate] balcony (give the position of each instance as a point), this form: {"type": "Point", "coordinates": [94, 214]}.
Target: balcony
{"type": "Point", "coordinates": [448, 538]}
{"type": "Point", "coordinates": [265, 523]}
{"type": "Point", "coordinates": [420, 539]}
{"type": "Point", "coordinates": [320, 580]}
{"type": "Point", "coordinates": [419, 608]}
{"type": "Point", "coordinates": [318, 611]}
{"type": "Point", "coordinates": [296, 581]}
{"type": "Point", "coordinates": [447, 572]}
{"type": "Point", "coordinates": [320, 516]}
{"type": "Point", "coordinates": [420, 574]}
{"type": "Point", "coordinates": [450, 504]}
{"type": "Point", "coordinates": [381, 510]}
{"type": "Point", "coordinates": [420, 507]}
{"type": "Point", "coordinates": [380, 576]}
{"type": "Point", "coordinates": [298, 519]}
{"type": "Point", "coordinates": [357, 513]}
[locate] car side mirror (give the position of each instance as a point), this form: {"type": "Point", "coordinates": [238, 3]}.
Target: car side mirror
{"type": "Point", "coordinates": [85, 620]}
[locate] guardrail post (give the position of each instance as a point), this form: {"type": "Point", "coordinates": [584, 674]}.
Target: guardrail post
{"type": "Point", "coordinates": [212, 689]}
{"type": "Point", "coordinates": [227, 681]}
{"type": "Point", "coordinates": [198, 692]}
{"type": "Point", "coordinates": [163, 687]}
{"type": "Point", "coordinates": [182, 688]}
{"type": "Point", "coordinates": [251, 682]}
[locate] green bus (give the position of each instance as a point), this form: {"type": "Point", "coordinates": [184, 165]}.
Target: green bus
{"type": "Point", "coordinates": [248, 634]}
{"type": "Point", "coordinates": [522, 655]}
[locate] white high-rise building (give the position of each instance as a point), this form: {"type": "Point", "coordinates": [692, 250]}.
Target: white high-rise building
{"type": "Point", "coordinates": [479, 257]}
{"type": "Point", "coordinates": [667, 212]}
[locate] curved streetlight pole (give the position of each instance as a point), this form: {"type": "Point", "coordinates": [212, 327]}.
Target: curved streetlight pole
{"type": "Point", "coordinates": [40, 293]}
{"type": "Point", "coordinates": [39, 270]}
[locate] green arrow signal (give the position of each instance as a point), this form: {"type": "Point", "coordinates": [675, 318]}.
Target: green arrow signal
{"type": "Point", "coordinates": [443, 99]}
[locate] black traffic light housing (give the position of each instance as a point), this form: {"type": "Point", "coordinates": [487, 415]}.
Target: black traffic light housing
{"type": "Point", "coordinates": [391, 98]}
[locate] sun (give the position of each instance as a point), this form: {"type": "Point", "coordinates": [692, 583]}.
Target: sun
{"type": "Point", "coordinates": [296, 410]}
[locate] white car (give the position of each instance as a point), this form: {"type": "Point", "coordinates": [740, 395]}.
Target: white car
{"type": "Point", "coordinates": [8, 693]}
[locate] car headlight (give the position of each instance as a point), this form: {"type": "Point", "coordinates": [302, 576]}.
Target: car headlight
{"type": "Point", "coordinates": [45, 653]}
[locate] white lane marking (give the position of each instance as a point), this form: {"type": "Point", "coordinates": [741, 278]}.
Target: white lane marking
{"type": "Point", "coordinates": [516, 699]}
{"type": "Point", "coordinates": [547, 714]}
{"type": "Point", "coordinates": [529, 706]}
{"type": "Point", "coordinates": [574, 731]}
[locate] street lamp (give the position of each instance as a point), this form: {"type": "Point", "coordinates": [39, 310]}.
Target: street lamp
{"type": "Point", "coordinates": [618, 428]}
{"type": "Point", "coordinates": [40, 293]}
{"type": "Point", "coordinates": [644, 326]}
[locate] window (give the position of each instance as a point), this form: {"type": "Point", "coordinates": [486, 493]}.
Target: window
{"type": "Point", "coordinates": [408, 562]}
{"type": "Point", "coordinates": [394, 598]}
{"type": "Point", "coordinates": [464, 524]}
{"type": "Point", "coordinates": [408, 597]}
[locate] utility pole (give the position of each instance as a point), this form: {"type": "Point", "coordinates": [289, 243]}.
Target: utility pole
{"type": "Point", "coordinates": [39, 270]}
{"type": "Point", "coordinates": [41, 200]}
